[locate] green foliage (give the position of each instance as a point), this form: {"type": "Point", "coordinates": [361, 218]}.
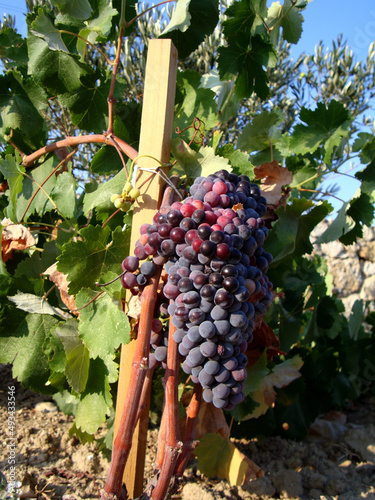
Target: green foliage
{"type": "Point", "coordinates": [190, 23]}
{"type": "Point", "coordinates": [69, 211]}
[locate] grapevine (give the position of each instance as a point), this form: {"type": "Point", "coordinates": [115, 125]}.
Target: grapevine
{"type": "Point", "coordinates": [210, 247]}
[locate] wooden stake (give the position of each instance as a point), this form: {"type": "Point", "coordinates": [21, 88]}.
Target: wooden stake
{"type": "Point", "coordinates": [155, 140]}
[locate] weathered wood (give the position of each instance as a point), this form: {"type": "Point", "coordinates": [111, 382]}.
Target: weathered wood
{"type": "Point", "coordinates": [155, 140]}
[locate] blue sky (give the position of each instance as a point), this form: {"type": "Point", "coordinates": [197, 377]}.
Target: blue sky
{"type": "Point", "coordinates": [324, 20]}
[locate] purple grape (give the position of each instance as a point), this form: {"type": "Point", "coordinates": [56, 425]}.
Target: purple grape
{"type": "Point", "coordinates": [221, 391]}
{"type": "Point", "coordinates": [196, 316]}
{"type": "Point", "coordinates": [205, 379]}
{"type": "Point", "coordinates": [207, 329]}
{"type": "Point", "coordinates": [179, 334]}
{"type": "Point", "coordinates": [208, 349]}
{"type": "Point", "coordinates": [212, 367]}
{"type": "Point", "coordinates": [148, 268]}
{"type": "Point", "coordinates": [207, 395]}
{"type": "Point", "coordinates": [219, 403]}
{"type": "Point", "coordinates": [161, 353]}
{"type": "Point", "coordinates": [195, 357]}
{"type": "Point", "coordinates": [130, 264]}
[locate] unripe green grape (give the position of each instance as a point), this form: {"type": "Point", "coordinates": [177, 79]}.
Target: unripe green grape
{"type": "Point", "coordinates": [128, 187]}
{"type": "Point", "coordinates": [134, 193]}
{"type": "Point", "coordinates": [125, 206]}
{"type": "Point", "coordinates": [118, 203]}
{"type": "Point", "coordinates": [115, 197]}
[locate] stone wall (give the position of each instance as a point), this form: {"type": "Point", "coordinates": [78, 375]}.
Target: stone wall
{"type": "Point", "coordinates": [352, 267]}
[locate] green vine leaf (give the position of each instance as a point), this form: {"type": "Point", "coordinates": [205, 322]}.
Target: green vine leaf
{"type": "Point", "coordinates": [44, 28]}
{"type": "Point", "coordinates": [103, 326]}
{"type": "Point", "coordinates": [41, 202]}
{"type": "Point", "coordinates": [219, 457]}
{"type": "Point", "coordinates": [239, 160]}
{"type": "Point", "coordinates": [339, 227]}
{"type": "Point", "coordinates": [100, 200]}
{"type": "Point", "coordinates": [261, 132]}
{"type": "Point", "coordinates": [96, 400]}
{"type": "Point", "coordinates": [192, 21]}
{"type": "Point", "coordinates": [247, 62]}
{"type": "Point", "coordinates": [13, 173]}
{"type": "Point", "coordinates": [77, 355]}
{"type": "Point", "coordinates": [290, 235]}
{"type": "Point", "coordinates": [24, 348]}
{"type": "Point", "coordinates": [194, 164]}
{"type": "Point", "coordinates": [36, 305]}
{"type": "Point", "coordinates": [286, 16]}
{"type": "Point", "coordinates": [102, 23]}
{"type": "Point", "coordinates": [58, 71]}
{"type": "Point", "coordinates": [181, 18]}
{"type": "Point", "coordinates": [88, 105]}
{"type": "Point", "coordinates": [192, 100]}
{"type": "Point", "coordinates": [84, 261]}
{"type": "Point", "coordinates": [324, 125]}
{"type": "Point", "coordinates": [13, 50]}
{"type": "Point", "coordinates": [80, 9]}
{"type": "Point", "coordinates": [21, 102]}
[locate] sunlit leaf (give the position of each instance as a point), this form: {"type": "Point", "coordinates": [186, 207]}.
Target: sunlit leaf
{"type": "Point", "coordinates": [219, 457]}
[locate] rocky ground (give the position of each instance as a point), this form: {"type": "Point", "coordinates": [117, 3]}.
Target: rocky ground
{"type": "Point", "coordinates": [50, 464]}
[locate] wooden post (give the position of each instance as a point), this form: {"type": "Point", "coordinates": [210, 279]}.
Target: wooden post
{"type": "Point", "coordinates": [155, 140]}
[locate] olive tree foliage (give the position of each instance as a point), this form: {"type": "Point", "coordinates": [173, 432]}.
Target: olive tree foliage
{"type": "Point", "coordinates": [294, 82]}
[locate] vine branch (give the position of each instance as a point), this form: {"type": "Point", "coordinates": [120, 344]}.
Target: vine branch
{"type": "Point", "coordinates": [73, 141]}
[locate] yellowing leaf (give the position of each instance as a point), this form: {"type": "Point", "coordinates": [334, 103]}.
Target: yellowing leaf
{"type": "Point", "coordinates": [219, 457]}
{"type": "Point", "coordinates": [282, 375]}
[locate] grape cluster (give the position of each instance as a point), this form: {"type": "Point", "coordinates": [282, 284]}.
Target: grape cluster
{"type": "Point", "coordinates": [211, 246]}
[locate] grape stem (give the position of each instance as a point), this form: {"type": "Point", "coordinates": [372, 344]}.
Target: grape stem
{"type": "Point", "coordinates": [173, 444]}
{"type": "Point", "coordinates": [191, 423]}
{"type": "Point", "coordinates": [123, 441]}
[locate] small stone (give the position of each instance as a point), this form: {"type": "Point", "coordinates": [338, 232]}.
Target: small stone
{"type": "Point", "coordinates": [335, 487]}
{"type": "Point", "coordinates": [368, 289]}
{"type": "Point", "coordinates": [367, 251]}
{"type": "Point", "coordinates": [368, 268]}
{"type": "Point", "coordinates": [288, 483]}
{"type": "Point", "coordinates": [194, 491]}
{"type": "Point", "coordinates": [333, 249]}
{"type": "Point", "coordinates": [261, 487]}
{"type": "Point", "coordinates": [368, 233]}
{"type": "Point", "coordinates": [362, 441]}
{"type": "Point", "coordinates": [46, 406]}
{"type": "Point", "coordinates": [347, 275]}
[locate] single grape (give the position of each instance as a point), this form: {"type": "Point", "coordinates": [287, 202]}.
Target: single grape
{"type": "Point", "coordinates": [130, 263]}
{"type": "Point", "coordinates": [208, 349]}
{"type": "Point", "coordinates": [148, 268]}
{"type": "Point", "coordinates": [207, 329]}
{"type": "Point", "coordinates": [195, 357]}
{"type": "Point", "coordinates": [205, 379]}
{"type": "Point", "coordinates": [207, 395]}
{"type": "Point", "coordinates": [196, 316]}
{"type": "Point", "coordinates": [212, 367]}
{"type": "Point", "coordinates": [221, 391]}
{"type": "Point", "coordinates": [161, 353]}
{"type": "Point", "coordinates": [179, 334]}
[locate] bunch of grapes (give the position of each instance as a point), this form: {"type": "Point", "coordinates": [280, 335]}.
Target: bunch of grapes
{"type": "Point", "coordinates": [211, 246]}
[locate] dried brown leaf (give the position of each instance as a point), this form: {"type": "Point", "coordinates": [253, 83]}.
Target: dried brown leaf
{"type": "Point", "coordinates": [273, 177]}
{"type": "Point", "coordinates": [62, 283]}
{"type": "Point", "coordinates": [134, 307]}
{"type": "Point", "coordinates": [14, 237]}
